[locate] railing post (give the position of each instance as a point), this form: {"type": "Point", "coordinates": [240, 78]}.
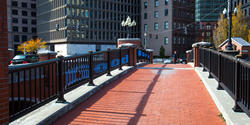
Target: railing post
{"type": "Point", "coordinates": [204, 69]}
{"type": "Point", "coordinates": [120, 53]}
{"type": "Point", "coordinates": [91, 73]}
{"type": "Point", "coordinates": [60, 92]}
{"type": "Point", "coordinates": [219, 72]}
{"type": "Point", "coordinates": [109, 65]}
{"type": "Point", "coordinates": [236, 107]}
{"type": "Point", "coordinates": [210, 65]}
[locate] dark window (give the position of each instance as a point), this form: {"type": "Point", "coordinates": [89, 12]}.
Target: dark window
{"type": "Point", "coordinates": [33, 6]}
{"type": "Point", "coordinates": [14, 20]}
{"type": "Point", "coordinates": [33, 30]}
{"type": "Point", "coordinates": [24, 38]}
{"type": "Point", "coordinates": [33, 14]}
{"type": "Point", "coordinates": [24, 5]}
{"type": "Point", "coordinates": [15, 29]}
{"type": "Point", "coordinates": [156, 3]}
{"type": "Point", "coordinates": [14, 3]}
{"type": "Point", "coordinates": [145, 4]}
{"type": "Point", "coordinates": [25, 29]}
{"type": "Point", "coordinates": [166, 2]}
{"type": "Point", "coordinates": [16, 38]}
{"type": "Point", "coordinates": [15, 12]}
{"type": "Point", "coordinates": [145, 15]}
{"type": "Point", "coordinates": [166, 12]}
{"type": "Point", "coordinates": [33, 22]}
{"type": "Point", "coordinates": [24, 21]}
{"type": "Point", "coordinates": [24, 13]}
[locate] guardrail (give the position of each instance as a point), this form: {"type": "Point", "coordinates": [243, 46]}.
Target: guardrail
{"type": "Point", "coordinates": [142, 55]}
{"type": "Point", "coordinates": [34, 85]}
{"type": "Point", "coordinates": [232, 74]}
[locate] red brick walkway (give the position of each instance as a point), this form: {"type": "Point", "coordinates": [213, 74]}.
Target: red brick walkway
{"type": "Point", "coordinates": [149, 96]}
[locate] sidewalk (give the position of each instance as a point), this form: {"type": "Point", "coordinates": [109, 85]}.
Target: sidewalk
{"type": "Point", "coordinates": [155, 94]}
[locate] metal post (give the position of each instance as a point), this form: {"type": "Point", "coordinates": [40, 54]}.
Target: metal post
{"type": "Point", "coordinates": [229, 46]}
{"type": "Point", "coordinates": [60, 92]}
{"type": "Point", "coordinates": [210, 65]}
{"type": "Point", "coordinates": [120, 51]}
{"type": "Point", "coordinates": [109, 63]}
{"type": "Point", "coordinates": [236, 107]}
{"type": "Point", "coordinates": [91, 73]}
{"type": "Point", "coordinates": [219, 72]}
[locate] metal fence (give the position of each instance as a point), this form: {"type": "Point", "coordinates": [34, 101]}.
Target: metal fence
{"type": "Point", "coordinates": [232, 74]}
{"type": "Point", "coordinates": [34, 85]}
{"type": "Point", "coordinates": [142, 55]}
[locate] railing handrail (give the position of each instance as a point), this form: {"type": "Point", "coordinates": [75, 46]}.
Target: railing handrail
{"type": "Point", "coordinates": [31, 65]}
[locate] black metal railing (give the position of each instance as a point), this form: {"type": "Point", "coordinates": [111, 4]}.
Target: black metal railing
{"type": "Point", "coordinates": [232, 74]}
{"type": "Point", "coordinates": [142, 55]}
{"type": "Point", "coordinates": [33, 85]}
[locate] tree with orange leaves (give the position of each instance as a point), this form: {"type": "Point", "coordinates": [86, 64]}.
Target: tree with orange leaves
{"type": "Point", "coordinates": [32, 46]}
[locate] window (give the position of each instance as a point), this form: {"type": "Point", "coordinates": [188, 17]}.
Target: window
{"type": "Point", "coordinates": [33, 30]}
{"type": "Point", "coordinates": [156, 36]}
{"type": "Point", "coordinates": [33, 6]}
{"type": "Point", "coordinates": [16, 38]}
{"type": "Point", "coordinates": [166, 12]}
{"type": "Point", "coordinates": [33, 14]}
{"type": "Point", "coordinates": [208, 27]}
{"type": "Point", "coordinates": [15, 29]}
{"type": "Point", "coordinates": [145, 5]}
{"type": "Point", "coordinates": [14, 3]}
{"type": "Point", "coordinates": [165, 40]}
{"type": "Point", "coordinates": [24, 38]}
{"type": "Point", "coordinates": [174, 40]}
{"type": "Point", "coordinates": [208, 34]}
{"type": "Point", "coordinates": [183, 38]}
{"type": "Point", "coordinates": [25, 29]}
{"type": "Point", "coordinates": [14, 20]}
{"type": "Point", "coordinates": [156, 26]}
{"type": "Point", "coordinates": [24, 5]}
{"type": "Point", "coordinates": [156, 14]}
{"type": "Point", "coordinates": [166, 2]}
{"type": "Point", "coordinates": [24, 13]}
{"type": "Point", "coordinates": [33, 22]}
{"type": "Point", "coordinates": [166, 25]}
{"type": "Point", "coordinates": [145, 27]}
{"type": "Point", "coordinates": [15, 12]}
{"type": "Point", "coordinates": [24, 21]}
{"type": "Point", "coordinates": [145, 15]}
{"type": "Point", "coordinates": [156, 3]}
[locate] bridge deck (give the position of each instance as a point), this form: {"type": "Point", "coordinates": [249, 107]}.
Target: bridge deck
{"type": "Point", "coordinates": [155, 94]}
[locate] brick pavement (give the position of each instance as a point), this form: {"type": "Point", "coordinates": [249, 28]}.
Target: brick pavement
{"type": "Point", "coordinates": [173, 95]}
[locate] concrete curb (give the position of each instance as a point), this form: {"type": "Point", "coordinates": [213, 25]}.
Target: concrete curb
{"type": "Point", "coordinates": [223, 100]}
{"type": "Point", "coordinates": [50, 112]}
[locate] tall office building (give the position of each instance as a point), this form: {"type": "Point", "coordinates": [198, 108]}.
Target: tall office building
{"type": "Point", "coordinates": [207, 13]}
{"type": "Point", "coordinates": [21, 21]}
{"type": "Point", "coordinates": [168, 23]}
{"type": "Point", "coordinates": [76, 26]}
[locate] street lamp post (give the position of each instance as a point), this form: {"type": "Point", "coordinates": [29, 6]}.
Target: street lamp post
{"type": "Point", "coordinates": [24, 51]}
{"type": "Point", "coordinates": [229, 46]}
{"type": "Point", "coordinates": [128, 23]}
{"type": "Point", "coordinates": [145, 44]}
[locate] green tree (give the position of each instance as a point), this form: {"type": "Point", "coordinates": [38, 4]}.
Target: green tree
{"type": "Point", "coordinates": [162, 52]}
{"type": "Point", "coordinates": [239, 27]}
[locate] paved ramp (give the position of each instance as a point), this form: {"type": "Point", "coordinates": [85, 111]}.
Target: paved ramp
{"type": "Point", "coordinates": [155, 94]}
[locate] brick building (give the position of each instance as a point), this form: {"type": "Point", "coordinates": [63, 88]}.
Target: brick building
{"type": "Point", "coordinates": [4, 85]}
{"type": "Point", "coordinates": [167, 23]}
